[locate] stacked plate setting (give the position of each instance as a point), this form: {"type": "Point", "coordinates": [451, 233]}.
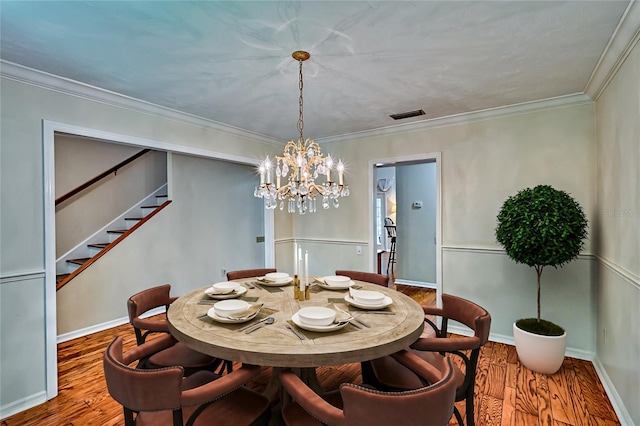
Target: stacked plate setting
{"type": "Point", "coordinates": [276, 279]}
{"type": "Point", "coordinates": [229, 311]}
{"type": "Point", "coordinates": [317, 318]}
{"type": "Point", "coordinates": [225, 290]}
{"type": "Point", "coordinates": [367, 299]}
{"type": "Point", "coordinates": [336, 282]}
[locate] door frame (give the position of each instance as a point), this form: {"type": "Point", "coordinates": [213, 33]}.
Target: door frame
{"type": "Point", "coordinates": [417, 158]}
{"type": "Point", "coordinates": [49, 128]}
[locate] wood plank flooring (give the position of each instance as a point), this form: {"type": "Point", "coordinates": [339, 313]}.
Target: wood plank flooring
{"type": "Point", "coordinates": [506, 393]}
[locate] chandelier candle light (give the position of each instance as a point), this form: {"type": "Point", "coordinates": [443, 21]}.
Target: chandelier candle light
{"type": "Point", "coordinates": [300, 165]}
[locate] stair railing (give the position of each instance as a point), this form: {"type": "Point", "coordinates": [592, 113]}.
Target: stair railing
{"type": "Point", "coordinates": [101, 176]}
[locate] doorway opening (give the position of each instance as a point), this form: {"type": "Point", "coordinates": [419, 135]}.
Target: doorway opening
{"type": "Point", "coordinates": [405, 194]}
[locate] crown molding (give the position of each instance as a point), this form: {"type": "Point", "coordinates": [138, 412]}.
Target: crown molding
{"type": "Point", "coordinates": [67, 86]}
{"type": "Point", "coordinates": [622, 41]}
{"type": "Point", "coordinates": [491, 113]}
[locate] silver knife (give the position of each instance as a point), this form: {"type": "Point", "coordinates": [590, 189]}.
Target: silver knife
{"type": "Point", "coordinates": [268, 320]}
{"type": "Point", "coordinates": [252, 325]}
{"type": "Point", "coordinates": [296, 332]}
{"type": "Point", "coordinates": [362, 322]}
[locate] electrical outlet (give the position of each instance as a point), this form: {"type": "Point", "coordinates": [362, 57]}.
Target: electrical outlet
{"type": "Point", "coordinates": [358, 250]}
{"type": "Point", "coordinates": [224, 272]}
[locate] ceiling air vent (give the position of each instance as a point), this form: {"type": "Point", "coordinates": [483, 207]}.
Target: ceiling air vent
{"type": "Point", "coordinates": [409, 114]}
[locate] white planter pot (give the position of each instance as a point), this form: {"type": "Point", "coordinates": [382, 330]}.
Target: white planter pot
{"type": "Point", "coordinates": [542, 354]}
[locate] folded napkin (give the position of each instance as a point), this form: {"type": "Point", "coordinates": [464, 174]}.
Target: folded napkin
{"type": "Point", "coordinates": [217, 291]}
{"type": "Point", "coordinates": [341, 314]}
{"type": "Point", "coordinates": [252, 310]}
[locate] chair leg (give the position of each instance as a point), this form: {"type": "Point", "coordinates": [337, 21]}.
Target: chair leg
{"type": "Point", "coordinates": [128, 417]}
{"type": "Point", "coordinates": [458, 416]}
{"type": "Point", "coordinates": [469, 405]}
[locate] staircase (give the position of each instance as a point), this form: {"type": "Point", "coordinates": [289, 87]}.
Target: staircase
{"type": "Point", "coordinates": [73, 262]}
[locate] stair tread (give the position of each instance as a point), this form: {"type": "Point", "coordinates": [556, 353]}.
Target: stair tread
{"type": "Point", "coordinates": [79, 261]}
{"type": "Point", "coordinates": [117, 231]}
{"type": "Point", "coordinates": [133, 218]}
{"type": "Point", "coordinates": [99, 245]}
{"type": "Point", "coordinates": [149, 207]}
{"type": "Point", "coordinates": [61, 277]}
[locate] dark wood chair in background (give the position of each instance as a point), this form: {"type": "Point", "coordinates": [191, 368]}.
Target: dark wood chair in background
{"type": "Point", "coordinates": [429, 405]}
{"type": "Point", "coordinates": [249, 273]}
{"type": "Point", "coordinates": [165, 397]}
{"type": "Point", "coordinates": [369, 277]}
{"type": "Point", "coordinates": [387, 373]}
{"type": "Point", "coordinates": [177, 354]}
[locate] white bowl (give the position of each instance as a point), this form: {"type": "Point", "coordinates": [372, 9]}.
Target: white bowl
{"type": "Point", "coordinates": [225, 287]}
{"type": "Point", "coordinates": [336, 280]}
{"type": "Point", "coordinates": [225, 308]}
{"type": "Point", "coordinates": [277, 276]}
{"type": "Point", "coordinates": [316, 315]}
{"type": "Point", "coordinates": [368, 297]}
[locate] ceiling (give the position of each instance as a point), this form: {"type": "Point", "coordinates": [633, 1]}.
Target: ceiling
{"type": "Point", "coordinates": [230, 62]}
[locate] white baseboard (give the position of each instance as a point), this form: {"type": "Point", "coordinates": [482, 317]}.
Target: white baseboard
{"type": "Point", "coordinates": [104, 326]}
{"type": "Point", "coordinates": [22, 404]}
{"type": "Point", "coordinates": [614, 397]}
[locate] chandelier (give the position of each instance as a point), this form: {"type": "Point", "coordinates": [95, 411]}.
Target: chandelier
{"type": "Point", "coordinates": [300, 165]}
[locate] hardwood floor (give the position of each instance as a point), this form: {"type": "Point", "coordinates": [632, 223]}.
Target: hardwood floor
{"type": "Point", "coordinates": [506, 392]}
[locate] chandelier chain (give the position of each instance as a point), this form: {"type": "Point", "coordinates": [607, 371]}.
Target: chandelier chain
{"type": "Point", "coordinates": [300, 115]}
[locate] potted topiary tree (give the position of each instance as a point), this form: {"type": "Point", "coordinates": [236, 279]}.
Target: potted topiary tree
{"type": "Point", "coordinates": [541, 227]}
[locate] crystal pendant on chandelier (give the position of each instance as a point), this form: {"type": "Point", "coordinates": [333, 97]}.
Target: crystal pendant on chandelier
{"type": "Point", "coordinates": [297, 170]}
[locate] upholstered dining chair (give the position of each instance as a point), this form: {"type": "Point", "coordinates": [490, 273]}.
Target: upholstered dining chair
{"type": "Point", "coordinates": [165, 396]}
{"type": "Point", "coordinates": [177, 354]}
{"type": "Point", "coordinates": [369, 277]}
{"type": "Point", "coordinates": [351, 405]}
{"type": "Point", "coordinates": [387, 373]}
{"type": "Point", "coordinates": [249, 273]}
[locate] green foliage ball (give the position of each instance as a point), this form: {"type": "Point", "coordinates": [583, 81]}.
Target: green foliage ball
{"type": "Point", "coordinates": [541, 226]}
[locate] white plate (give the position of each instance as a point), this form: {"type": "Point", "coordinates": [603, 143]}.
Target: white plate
{"type": "Point", "coordinates": [321, 328]}
{"type": "Point", "coordinates": [211, 313]}
{"type": "Point", "coordinates": [387, 301]}
{"type": "Point", "coordinates": [336, 287]}
{"type": "Point", "coordinates": [275, 284]}
{"type": "Point", "coordinates": [219, 296]}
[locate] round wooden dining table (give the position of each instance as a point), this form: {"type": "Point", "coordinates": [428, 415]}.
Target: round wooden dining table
{"type": "Point", "coordinates": [387, 330]}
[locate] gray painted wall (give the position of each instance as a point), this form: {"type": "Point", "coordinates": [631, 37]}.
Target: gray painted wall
{"type": "Point", "coordinates": [416, 227]}
{"type": "Point", "coordinates": [617, 228]}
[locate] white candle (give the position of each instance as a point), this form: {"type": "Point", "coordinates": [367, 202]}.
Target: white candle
{"type": "Point", "coordinates": [300, 263]}
{"type": "Point", "coordinates": [306, 266]}
{"type": "Point", "coordinates": [267, 165]}
{"type": "Point", "coordinates": [329, 165]}
{"type": "Point", "coordinates": [261, 170]}
{"type": "Point", "coordinates": [340, 172]}
{"type": "Point", "coordinates": [295, 258]}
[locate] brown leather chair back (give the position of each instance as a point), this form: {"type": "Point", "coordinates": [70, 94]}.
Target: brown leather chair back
{"type": "Point", "coordinates": [430, 405]}
{"type": "Point", "coordinates": [140, 390]}
{"type": "Point", "coordinates": [369, 277]}
{"type": "Point", "coordinates": [469, 314]}
{"type": "Point", "coordinates": [144, 301]}
{"type": "Point", "coordinates": [249, 273]}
